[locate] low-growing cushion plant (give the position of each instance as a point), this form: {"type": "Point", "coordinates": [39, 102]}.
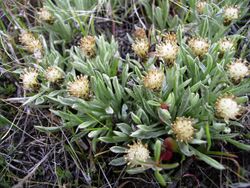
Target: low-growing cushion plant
{"type": "Point", "coordinates": [182, 89]}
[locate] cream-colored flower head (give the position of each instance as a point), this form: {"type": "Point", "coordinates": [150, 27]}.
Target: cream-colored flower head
{"type": "Point", "coordinates": [154, 79]}
{"type": "Point", "coordinates": [31, 44]}
{"type": "Point", "coordinates": [141, 47]}
{"type": "Point", "coordinates": [53, 74]}
{"type": "Point", "coordinates": [230, 13]}
{"type": "Point", "coordinates": [200, 6]}
{"type": "Point", "coordinates": [238, 70]}
{"type": "Point", "coordinates": [183, 129]}
{"type": "Point", "coordinates": [225, 45]}
{"type": "Point", "coordinates": [45, 15]}
{"type": "Point", "coordinates": [88, 46]}
{"type": "Point", "coordinates": [30, 79]}
{"type": "Point", "coordinates": [137, 153]}
{"type": "Point", "coordinates": [140, 33]}
{"type": "Point", "coordinates": [199, 46]}
{"type": "Point", "coordinates": [80, 87]}
{"type": "Point", "coordinates": [227, 108]}
{"type": "Point", "coordinates": [168, 51]}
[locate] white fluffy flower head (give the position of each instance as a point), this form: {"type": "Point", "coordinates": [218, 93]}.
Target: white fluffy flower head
{"type": "Point", "coordinates": [227, 108]}
{"type": "Point", "coordinates": [154, 79]}
{"type": "Point", "coordinates": [238, 70]}
{"type": "Point", "coordinates": [230, 13]}
{"type": "Point", "coordinates": [137, 153]}
{"type": "Point", "coordinates": [167, 51]}
{"type": "Point", "coordinates": [30, 79]}
{"type": "Point", "coordinates": [53, 74]}
{"type": "Point", "coordinates": [199, 46]}
{"type": "Point", "coordinates": [80, 87]}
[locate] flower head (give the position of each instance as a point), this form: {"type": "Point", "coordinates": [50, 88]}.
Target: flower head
{"type": "Point", "coordinates": [137, 153]}
{"type": "Point", "coordinates": [230, 13]}
{"type": "Point", "coordinates": [227, 108]}
{"type": "Point", "coordinates": [140, 33]}
{"type": "Point", "coordinates": [141, 47]}
{"type": "Point", "coordinates": [238, 70]}
{"type": "Point", "coordinates": [225, 45]}
{"type": "Point", "coordinates": [53, 74]}
{"type": "Point", "coordinates": [183, 129]}
{"type": "Point", "coordinates": [154, 79]}
{"type": "Point", "coordinates": [45, 15]}
{"type": "Point", "coordinates": [199, 46]}
{"type": "Point", "coordinates": [170, 37]}
{"type": "Point", "coordinates": [80, 87]}
{"type": "Point", "coordinates": [200, 6]}
{"type": "Point", "coordinates": [31, 44]}
{"type": "Point", "coordinates": [30, 79]}
{"type": "Point", "coordinates": [168, 51]}
{"type": "Point", "coordinates": [87, 46]}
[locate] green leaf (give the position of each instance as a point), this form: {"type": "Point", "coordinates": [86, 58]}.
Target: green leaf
{"type": "Point", "coordinates": [168, 166]}
{"type": "Point", "coordinates": [4, 121]}
{"type": "Point", "coordinates": [118, 162]}
{"type": "Point", "coordinates": [153, 103]}
{"type": "Point", "coordinates": [135, 118]}
{"type": "Point", "coordinates": [48, 129]}
{"type": "Point", "coordinates": [164, 115]}
{"type": "Point", "coordinates": [208, 136]}
{"type": "Point", "coordinates": [238, 144]}
{"type": "Point", "coordinates": [136, 170]}
{"type": "Point", "coordinates": [118, 149]}
{"type": "Point", "coordinates": [160, 178]}
{"type": "Point", "coordinates": [208, 159]}
{"type": "Point", "coordinates": [87, 124]}
{"type": "Point", "coordinates": [157, 151]}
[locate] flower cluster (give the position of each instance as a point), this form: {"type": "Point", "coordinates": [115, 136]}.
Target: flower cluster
{"type": "Point", "coordinates": [227, 108]}
{"type": "Point", "coordinates": [154, 79]}
{"type": "Point", "coordinates": [231, 13]}
{"type": "Point", "coordinates": [226, 45]}
{"type": "Point", "coordinates": [88, 46]}
{"type": "Point", "coordinates": [30, 79]}
{"type": "Point", "coordinates": [80, 87]}
{"type": "Point", "coordinates": [199, 46]}
{"type": "Point", "coordinates": [238, 70]}
{"type": "Point", "coordinates": [31, 44]}
{"type": "Point", "coordinates": [168, 51]}
{"type": "Point", "coordinates": [141, 44]}
{"type": "Point", "coordinates": [45, 15]}
{"type": "Point", "coordinates": [137, 153]}
{"type": "Point", "coordinates": [183, 129]}
{"type": "Point", "coordinates": [53, 74]}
